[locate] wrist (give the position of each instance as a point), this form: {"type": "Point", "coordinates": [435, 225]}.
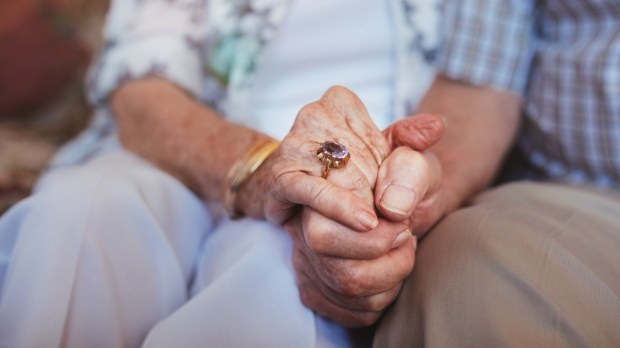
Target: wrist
{"type": "Point", "coordinates": [242, 196]}
{"type": "Point", "coordinates": [456, 191]}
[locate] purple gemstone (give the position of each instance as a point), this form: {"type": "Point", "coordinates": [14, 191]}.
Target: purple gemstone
{"type": "Point", "coordinates": [334, 150]}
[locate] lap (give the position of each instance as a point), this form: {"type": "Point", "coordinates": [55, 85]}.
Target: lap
{"type": "Point", "coordinates": [245, 295]}
{"type": "Point", "coordinates": [115, 250]}
{"type": "Point", "coordinates": [525, 265]}
{"type": "Point", "coordinates": [98, 252]}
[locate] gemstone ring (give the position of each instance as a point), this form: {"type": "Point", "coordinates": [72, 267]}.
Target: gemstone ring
{"type": "Point", "coordinates": [332, 155]}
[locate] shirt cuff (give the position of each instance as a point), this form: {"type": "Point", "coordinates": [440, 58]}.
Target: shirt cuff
{"type": "Point", "coordinates": [488, 43]}
{"type": "Point", "coordinates": [171, 58]}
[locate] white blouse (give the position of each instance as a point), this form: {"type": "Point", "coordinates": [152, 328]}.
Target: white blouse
{"type": "Point", "coordinates": [317, 46]}
{"type": "Point", "coordinates": [259, 61]}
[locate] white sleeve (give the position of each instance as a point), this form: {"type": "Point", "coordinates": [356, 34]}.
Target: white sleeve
{"type": "Point", "coordinates": [149, 37]}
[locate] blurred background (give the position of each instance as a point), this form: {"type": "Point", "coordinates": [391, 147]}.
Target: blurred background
{"type": "Point", "coordinates": [45, 48]}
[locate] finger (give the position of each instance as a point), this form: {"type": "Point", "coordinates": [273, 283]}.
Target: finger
{"type": "Point", "coordinates": [371, 303]}
{"type": "Point", "coordinates": [418, 132]}
{"type": "Point", "coordinates": [327, 237]}
{"type": "Point", "coordinates": [331, 200]}
{"type": "Point", "coordinates": [403, 181]}
{"type": "Point", "coordinates": [315, 290]}
{"type": "Point", "coordinates": [312, 298]}
{"type": "Point", "coordinates": [347, 103]}
{"type": "Point", "coordinates": [355, 278]}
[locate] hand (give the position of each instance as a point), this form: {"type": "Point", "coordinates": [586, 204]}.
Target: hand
{"type": "Point", "coordinates": [409, 184]}
{"type": "Point", "coordinates": [352, 277]}
{"type": "Point", "coordinates": [291, 176]}
{"type": "Point", "coordinates": [348, 276]}
{"type": "Point", "coordinates": [343, 274]}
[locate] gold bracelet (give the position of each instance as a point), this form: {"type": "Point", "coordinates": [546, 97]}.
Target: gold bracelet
{"type": "Point", "coordinates": [243, 169]}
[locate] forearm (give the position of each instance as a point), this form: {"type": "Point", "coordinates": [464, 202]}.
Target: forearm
{"type": "Point", "coordinates": [164, 125]}
{"type": "Point", "coordinates": [481, 126]}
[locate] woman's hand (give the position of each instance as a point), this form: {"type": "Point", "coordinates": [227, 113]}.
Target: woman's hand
{"type": "Point", "coordinates": [291, 176]}
{"type": "Point", "coordinates": [347, 276]}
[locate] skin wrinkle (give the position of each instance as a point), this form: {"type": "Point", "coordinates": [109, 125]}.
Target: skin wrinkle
{"type": "Point", "coordinates": [352, 120]}
{"type": "Point", "coordinates": [333, 264]}
{"type": "Point", "coordinates": [352, 281]}
{"type": "Point", "coordinates": [371, 245]}
{"type": "Point", "coordinates": [358, 318]}
{"type": "Point", "coordinates": [422, 133]}
{"type": "Point", "coordinates": [368, 303]}
{"type": "Point", "coordinates": [320, 113]}
{"type": "Point", "coordinates": [377, 159]}
{"type": "Point", "coordinates": [374, 150]}
{"type": "Point", "coordinates": [380, 242]}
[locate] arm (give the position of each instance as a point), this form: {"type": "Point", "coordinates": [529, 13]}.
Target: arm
{"type": "Point", "coordinates": [481, 126]}
{"type": "Point", "coordinates": [429, 180]}
{"type": "Point", "coordinates": [166, 126]}
{"type": "Point", "coordinates": [150, 75]}
{"type": "Point", "coordinates": [489, 44]}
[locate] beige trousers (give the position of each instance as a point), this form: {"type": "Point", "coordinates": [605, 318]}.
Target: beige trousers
{"type": "Point", "coordinates": [526, 265]}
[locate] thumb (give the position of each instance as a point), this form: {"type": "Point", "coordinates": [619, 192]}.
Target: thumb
{"type": "Point", "coordinates": [418, 132]}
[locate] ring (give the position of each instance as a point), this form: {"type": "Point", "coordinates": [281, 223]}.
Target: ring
{"type": "Point", "coordinates": [332, 155]}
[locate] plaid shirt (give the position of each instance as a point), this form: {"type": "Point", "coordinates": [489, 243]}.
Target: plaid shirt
{"type": "Point", "coordinates": [563, 57]}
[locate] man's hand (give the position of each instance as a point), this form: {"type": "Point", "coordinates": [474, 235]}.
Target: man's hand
{"type": "Point", "coordinates": [409, 183]}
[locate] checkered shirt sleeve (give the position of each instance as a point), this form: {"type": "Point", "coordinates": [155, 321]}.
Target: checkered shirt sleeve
{"type": "Point", "coordinates": [487, 42]}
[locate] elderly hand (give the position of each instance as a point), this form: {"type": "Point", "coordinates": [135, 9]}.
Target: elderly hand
{"type": "Point", "coordinates": [291, 176]}
{"type": "Point", "coordinates": [351, 276]}
{"type": "Point", "coordinates": [348, 276]}
{"type": "Point", "coordinates": [409, 184]}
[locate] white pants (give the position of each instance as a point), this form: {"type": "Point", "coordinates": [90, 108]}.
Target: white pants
{"type": "Point", "coordinates": [116, 253]}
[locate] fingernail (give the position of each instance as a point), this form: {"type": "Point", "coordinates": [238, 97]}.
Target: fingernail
{"type": "Point", "coordinates": [401, 239]}
{"type": "Point", "coordinates": [398, 199]}
{"type": "Point", "coordinates": [368, 220]}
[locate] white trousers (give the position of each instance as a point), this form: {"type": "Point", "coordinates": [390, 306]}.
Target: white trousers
{"type": "Point", "coordinates": [116, 253]}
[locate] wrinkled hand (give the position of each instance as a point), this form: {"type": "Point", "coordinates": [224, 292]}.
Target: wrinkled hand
{"type": "Point", "coordinates": [348, 276]}
{"type": "Point", "coordinates": [409, 185]}
{"type": "Point", "coordinates": [351, 277]}
{"type": "Point", "coordinates": [291, 176]}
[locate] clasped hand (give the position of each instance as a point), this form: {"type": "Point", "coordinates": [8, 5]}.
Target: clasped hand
{"type": "Point", "coordinates": [354, 233]}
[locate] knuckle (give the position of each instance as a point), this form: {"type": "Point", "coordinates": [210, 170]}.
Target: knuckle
{"type": "Point", "coordinates": [431, 126]}
{"type": "Point", "coordinates": [317, 194]}
{"type": "Point", "coordinates": [310, 110]}
{"type": "Point", "coordinates": [425, 128]}
{"type": "Point", "coordinates": [316, 239]}
{"type": "Point", "coordinates": [341, 95]}
{"type": "Point", "coordinates": [351, 282]}
{"type": "Point", "coordinates": [307, 298]}
{"type": "Point", "coordinates": [380, 246]}
{"type": "Point", "coordinates": [337, 90]}
{"type": "Point", "coordinates": [358, 182]}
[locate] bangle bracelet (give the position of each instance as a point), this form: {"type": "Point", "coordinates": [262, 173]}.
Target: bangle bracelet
{"type": "Point", "coordinates": [242, 170]}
